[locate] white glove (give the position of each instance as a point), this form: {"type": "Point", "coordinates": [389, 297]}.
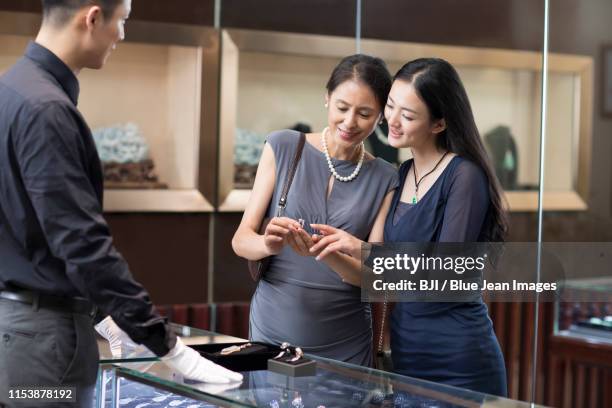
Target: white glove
{"type": "Point", "coordinates": [120, 343]}
{"type": "Point", "coordinates": [192, 365]}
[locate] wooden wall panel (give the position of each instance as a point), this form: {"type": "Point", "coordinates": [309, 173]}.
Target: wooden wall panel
{"type": "Point", "coordinates": [167, 253]}
{"type": "Point", "coordinates": [26, 6]}
{"type": "Point", "coordinates": [575, 380]}
{"type": "Point", "coordinates": [199, 12]}
{"type": "Point", "coordinates": [298, 16]}
{"type": "Point", "coordinates": [232, 281]}
{"type": "Point", "coordinates": [513, 24]}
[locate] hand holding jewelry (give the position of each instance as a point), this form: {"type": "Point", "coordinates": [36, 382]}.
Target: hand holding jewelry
{"type": "Point", "coordinates": [338, 177]}
{"type": "Point", "coordinates": [276, 233]}
{"type": "Point", "coordinates": [335, 240]}
{"type": "Point", "coordinates": [301, 241]}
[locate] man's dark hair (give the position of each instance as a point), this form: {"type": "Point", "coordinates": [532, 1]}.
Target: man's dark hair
{"type": "Point", "coordinates": [60, 11]}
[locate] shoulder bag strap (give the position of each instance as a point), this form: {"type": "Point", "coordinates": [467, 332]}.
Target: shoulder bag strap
{"type": "Point", "coordinates": [282, 202]}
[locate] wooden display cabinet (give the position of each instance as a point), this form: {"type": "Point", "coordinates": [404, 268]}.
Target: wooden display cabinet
{"type": "Point", "coordinates": [163, 78]}
{"type": "Point", "coordinates": [272, 80]}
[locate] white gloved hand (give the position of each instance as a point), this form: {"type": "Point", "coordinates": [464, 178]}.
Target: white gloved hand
{"type": "Point", "coordinates": [121, 345]}
{"type": "Point", "coordinates": [116, 337]}
{"type": "Point", "coordinates": [192, 365]}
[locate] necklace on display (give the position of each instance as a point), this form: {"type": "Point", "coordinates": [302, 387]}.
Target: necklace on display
{"type": "Point", "coordinates": [417, 183]}
{"type": "Point", "coordinates": [338, 177]}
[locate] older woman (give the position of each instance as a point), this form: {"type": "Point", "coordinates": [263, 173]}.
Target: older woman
{"type": "Point", "coordinates": [301, 300]}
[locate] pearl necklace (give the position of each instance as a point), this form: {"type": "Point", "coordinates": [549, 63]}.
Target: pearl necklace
{"type": "Point", "coordinates": [338, 177]}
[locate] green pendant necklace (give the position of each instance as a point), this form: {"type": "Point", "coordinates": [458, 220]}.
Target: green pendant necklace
{"type": "Point", "coordinates": [417, 183]}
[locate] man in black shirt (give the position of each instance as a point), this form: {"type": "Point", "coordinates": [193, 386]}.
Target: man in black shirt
{"type": "Point", "coordinates": [57, 259]}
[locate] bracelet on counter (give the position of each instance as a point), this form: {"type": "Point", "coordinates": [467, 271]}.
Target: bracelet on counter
{"type": "Point", "coordinates": [233, 349]}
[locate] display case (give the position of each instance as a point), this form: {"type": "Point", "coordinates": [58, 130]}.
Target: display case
{"type": "Point", "coordinates": [585, 310]}
{"type": "Point", "coordinates": [268, 83]}
{"type": "Point", "coordinates": [273, 80]}
{"type": "Point", "coordinates": [336, 384]}
{"type": "Point", "coordinates": [152, 111]}
{"type": "Point", "coordinates": [580, 345]}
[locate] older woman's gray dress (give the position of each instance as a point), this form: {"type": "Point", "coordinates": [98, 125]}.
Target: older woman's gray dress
{"type": "Point", "coordinates": [301, 300]}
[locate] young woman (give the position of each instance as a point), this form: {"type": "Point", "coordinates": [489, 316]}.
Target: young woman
{"type": "Point", "coordinates": [300, 300]}
{"type": "Point", "coordinates": [448, 193]}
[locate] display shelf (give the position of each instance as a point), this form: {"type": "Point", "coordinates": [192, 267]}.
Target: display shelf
{"type": "Point", "coordinates": [158, 82]}
{"type": "Point", "coordinates": [275, 80]}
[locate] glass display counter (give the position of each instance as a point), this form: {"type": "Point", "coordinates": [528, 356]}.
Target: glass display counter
{"type": "Point", "coordinates": [579, 349]}
{"type": "Point", "coordinates": [153, 384]}
{"type": "Point", "coordinates": [587, 320]}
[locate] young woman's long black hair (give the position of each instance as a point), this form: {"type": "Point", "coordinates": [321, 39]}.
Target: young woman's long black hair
{"type": "Point", "coordinates": [440, 88]}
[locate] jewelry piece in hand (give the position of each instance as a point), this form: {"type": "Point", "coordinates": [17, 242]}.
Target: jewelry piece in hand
{"type": "Point", "coordinates": [234, 349]}
{"type": "Point", "coordinates": [285, 348]}
{"type": "Point", "coordinates": [302, 222]}
{"type": "Point", "coordinates": [298, 355]}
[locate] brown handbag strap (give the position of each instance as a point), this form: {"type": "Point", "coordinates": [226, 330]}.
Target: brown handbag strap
{"type": "Point", "coordinates": [282, 202]}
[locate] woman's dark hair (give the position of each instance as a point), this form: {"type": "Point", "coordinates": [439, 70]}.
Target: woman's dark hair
{"type": "Point", "coordinates": [60, 11]}
{"type": "Point", "coordinates": [366, 69]}
{"type": "Point", "coordinates": [440, 88]}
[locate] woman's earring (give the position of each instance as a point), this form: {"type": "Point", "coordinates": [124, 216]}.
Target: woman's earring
{"type": "Point", "coordinates": [326, 104]}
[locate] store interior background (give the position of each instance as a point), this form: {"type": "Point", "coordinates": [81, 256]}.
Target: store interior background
{"type": "Point", "coordinates": [185, 259]}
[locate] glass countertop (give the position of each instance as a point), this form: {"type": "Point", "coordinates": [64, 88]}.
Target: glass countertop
{"type": "Point", "coordinates": [335, 384]}
{"type": "Point", "coordinates": [145, 380]}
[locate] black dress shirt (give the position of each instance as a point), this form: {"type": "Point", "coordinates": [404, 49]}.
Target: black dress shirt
{"type": "Point", "coordinates": [53, 237]}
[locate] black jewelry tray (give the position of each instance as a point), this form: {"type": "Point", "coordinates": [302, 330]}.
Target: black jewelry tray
{"type": "Point", "coordinates": [243, 360]}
